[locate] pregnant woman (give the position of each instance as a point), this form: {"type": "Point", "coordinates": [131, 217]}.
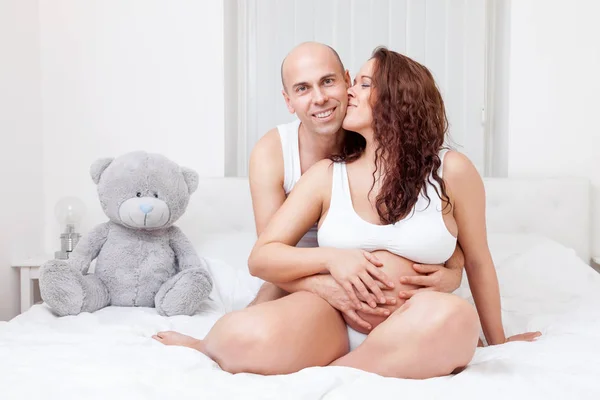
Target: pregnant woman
{"type": "Point", "coordinates": [401, 198]}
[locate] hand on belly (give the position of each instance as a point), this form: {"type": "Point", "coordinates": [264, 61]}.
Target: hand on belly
{"type": "Point", "coordinates": [395, 267]}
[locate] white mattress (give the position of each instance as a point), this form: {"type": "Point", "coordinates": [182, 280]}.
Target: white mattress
{"type": "Point", "coordinates": [544, 287]}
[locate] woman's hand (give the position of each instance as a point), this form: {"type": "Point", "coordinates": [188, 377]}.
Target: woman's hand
{"type": "Point", "coordinates": [521, 337]}
{"type": "Point", "coordinates": [358, 269]}
{"type": "Point", "coordinates": [333, 293]}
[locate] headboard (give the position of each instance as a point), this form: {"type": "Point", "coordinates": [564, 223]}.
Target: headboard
{"type": "Point", "coordinates": [559, 208]}
{"type": "Point", "coordinates": [556, 208]}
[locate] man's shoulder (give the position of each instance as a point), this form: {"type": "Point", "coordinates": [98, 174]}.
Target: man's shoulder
{"type": "Point", "coordinates": [266, 158]}
{"type": "Point", "coordinates": [269, 145]}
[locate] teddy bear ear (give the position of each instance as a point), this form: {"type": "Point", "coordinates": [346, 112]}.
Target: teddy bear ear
{"type": "Point", "coordinates": [191, 179]}
{"type": "Point", "coordinates": [98, 168]}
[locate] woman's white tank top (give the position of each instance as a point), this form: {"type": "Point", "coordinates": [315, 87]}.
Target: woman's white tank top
{"type": "Point", "coordinates": [421, 237]}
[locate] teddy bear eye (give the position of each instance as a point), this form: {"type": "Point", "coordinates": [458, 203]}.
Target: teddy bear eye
{"type": "Point", "coordinates": [156, 195]}
{"type": "Point", "coordinates": [138, 194]}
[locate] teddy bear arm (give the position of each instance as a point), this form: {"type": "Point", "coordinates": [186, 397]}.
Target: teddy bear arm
{"type": "Point", "coordinates": [89, 247]}
{"type": "Point", "coordinates": [184, 250]}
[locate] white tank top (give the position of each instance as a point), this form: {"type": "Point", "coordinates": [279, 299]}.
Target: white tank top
{"type": "Point", "coordinates": [421, 237]}
{"type": "Point", "coordinates": [288, 133]}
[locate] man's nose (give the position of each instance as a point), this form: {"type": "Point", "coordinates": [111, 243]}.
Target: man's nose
{"type": "Point", "coordinates": [319, 97]}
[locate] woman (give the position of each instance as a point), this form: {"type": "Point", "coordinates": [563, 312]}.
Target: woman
{"type": "Point", "coordinates": [398, 198]}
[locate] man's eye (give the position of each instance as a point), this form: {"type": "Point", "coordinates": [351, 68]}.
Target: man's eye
{"type": "Point", "coordinates": [328, 81]}
{"type": "Point", "coordinates": [300, 88]}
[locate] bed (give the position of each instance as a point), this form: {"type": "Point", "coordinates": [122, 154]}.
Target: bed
{"type": "Point", "coordinates": [540, 241]}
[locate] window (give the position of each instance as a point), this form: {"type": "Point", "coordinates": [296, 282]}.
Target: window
{"type": "Point", "coordinates": [447, 36]}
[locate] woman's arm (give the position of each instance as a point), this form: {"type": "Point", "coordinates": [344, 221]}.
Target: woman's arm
{"type": "Point", "coordinates": [467, 192]}
{"type": "Point", "coordinates": [274, 257]}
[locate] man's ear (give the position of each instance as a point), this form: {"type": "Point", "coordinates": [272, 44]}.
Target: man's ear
{"type": "Point", "coordinates": [347, 78]}
{"type": "Point", "coordinates": [287, 102]}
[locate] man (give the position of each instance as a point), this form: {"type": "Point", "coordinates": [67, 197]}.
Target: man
{"type": "Point", "coordinates": [315, 87]}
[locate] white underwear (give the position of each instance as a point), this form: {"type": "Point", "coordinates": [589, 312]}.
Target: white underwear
{"type": "Point", "coordinates": [355, 338]}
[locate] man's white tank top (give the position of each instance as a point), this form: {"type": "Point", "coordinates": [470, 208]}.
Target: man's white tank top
{"type": "Point", "coordinates": [288, 133]}
{"type": "Point", "coordinates": [421, 237]}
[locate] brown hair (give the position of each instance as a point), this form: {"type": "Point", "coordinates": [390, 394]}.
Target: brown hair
{"type": "Point", "coordinates": [409, 125]}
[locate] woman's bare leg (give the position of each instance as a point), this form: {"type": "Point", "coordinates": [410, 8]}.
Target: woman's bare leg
{"type": "Point", "coordinates": [277, 337]}
{"type": "Point", "coordinates": [431, 335]}
{"type": "Point", "coordinates": [268, 292]}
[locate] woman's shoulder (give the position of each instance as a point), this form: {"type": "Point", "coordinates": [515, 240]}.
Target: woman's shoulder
{"type": "Point", "coordinates": [320, 172]}
{"type": "Point", "coordinates": [318, 175]}
{"type": "Point", "coordinates": [315, 183]}
{"type": "Point", "coordinates": [455, 162]}
{"type": "Point", "coordinates": [321, 167]}
{"type": "Point", "coordinates": [459, 170]}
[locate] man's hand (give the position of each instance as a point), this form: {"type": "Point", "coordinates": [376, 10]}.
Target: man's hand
{"type": "Point", "coordinates": [433, 277]}
{"type": "Point", "coordinates": [332, 292]}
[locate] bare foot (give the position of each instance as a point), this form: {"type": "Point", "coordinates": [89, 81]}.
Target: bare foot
{"type": "Point", "coordinates": [171, 338]}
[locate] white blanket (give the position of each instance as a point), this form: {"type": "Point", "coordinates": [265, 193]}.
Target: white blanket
{"type": "Point", "coordinates": [110, 353]}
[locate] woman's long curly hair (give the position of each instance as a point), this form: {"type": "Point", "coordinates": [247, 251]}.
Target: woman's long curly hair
{"type": "Point", "coordinates": [409, 125]}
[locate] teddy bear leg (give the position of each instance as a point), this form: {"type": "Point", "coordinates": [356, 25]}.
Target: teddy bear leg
{"type": "Point", "coordinates": [184, 293]}
{"type": "Point", "coordinates": [68, 292]}
{"type": "Point", "coordinates": [96, 294]}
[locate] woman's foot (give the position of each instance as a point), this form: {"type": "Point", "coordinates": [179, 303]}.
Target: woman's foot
{"type": "Point", "coordinates": [171, 338]}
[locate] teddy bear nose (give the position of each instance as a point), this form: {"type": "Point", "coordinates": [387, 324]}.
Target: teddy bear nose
{"type": "Point", "coordinates": [146, 208]}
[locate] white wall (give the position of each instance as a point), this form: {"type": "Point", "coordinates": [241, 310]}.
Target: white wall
{"type": "Point", "coordinates": [554, 93]}
{"type": "Point", "coordinates": [21, 195]}
{"type": "Point", "coordinates": [126, 75]}
{"type": "Point", "coordinates": [83, 80]}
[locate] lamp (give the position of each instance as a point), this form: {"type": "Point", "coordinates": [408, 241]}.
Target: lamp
{"type": "Point", "coordinates": [68, 211]}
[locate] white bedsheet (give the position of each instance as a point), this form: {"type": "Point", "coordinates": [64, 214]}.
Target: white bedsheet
{"type": "Point", "coordinates": [544, 287]}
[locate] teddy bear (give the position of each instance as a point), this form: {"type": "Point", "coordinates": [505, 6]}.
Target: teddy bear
{"type": "Point", "coordinates": [142, 259]}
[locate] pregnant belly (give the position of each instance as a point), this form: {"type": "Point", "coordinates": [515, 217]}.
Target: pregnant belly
{"type": "Point", "coordinates": [395, 267]}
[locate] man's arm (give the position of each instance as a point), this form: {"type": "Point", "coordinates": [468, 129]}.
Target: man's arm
{"type": "Point", "coordinates": [457, 261]}
{"type": "Point", "coordinates": [266, 176]}
{"type": "Point", "coordinates": [441, 278]}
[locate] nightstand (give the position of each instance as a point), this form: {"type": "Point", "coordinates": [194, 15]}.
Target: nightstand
{"type": "Point", "coordinates": [29, 270]}
{"type": "Point", "coordinates": [596, 263]}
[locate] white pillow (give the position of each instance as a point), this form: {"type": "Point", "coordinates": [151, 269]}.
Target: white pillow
{"type": "Point", "coordinates": [233, 247]}
{"type": "Point", "coordinates": [540, 281]}
{"type": "Point", "coordinates": [227, 256]}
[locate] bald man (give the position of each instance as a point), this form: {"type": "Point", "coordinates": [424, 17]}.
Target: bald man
{"type": "Point", "coordinates": [315, 86]}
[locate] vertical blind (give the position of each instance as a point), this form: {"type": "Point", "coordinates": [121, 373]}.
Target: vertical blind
{"type": "Point", "coordinates": [447, 36]}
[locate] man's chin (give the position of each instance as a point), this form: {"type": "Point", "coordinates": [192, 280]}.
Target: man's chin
{"type": "Point", "coordinates": [328, 130]}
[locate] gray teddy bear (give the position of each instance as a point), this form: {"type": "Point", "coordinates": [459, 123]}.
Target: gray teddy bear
{"type": "Point", "coordinates": [141, 258]}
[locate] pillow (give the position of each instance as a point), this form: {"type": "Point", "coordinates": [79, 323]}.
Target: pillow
{"type": "Point", "coordinates": [540, 281]}
{"type": "Point", "coordinates": [227, 256]}
{"type": "Point", "coordinates": [233, 247]}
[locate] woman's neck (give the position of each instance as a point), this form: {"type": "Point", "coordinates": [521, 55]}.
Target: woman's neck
{"type": "Point", "coordinates": [370, 161]}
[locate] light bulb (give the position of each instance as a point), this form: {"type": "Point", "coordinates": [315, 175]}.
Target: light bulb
{"type": "Point", "coordinates": [69, 211]}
